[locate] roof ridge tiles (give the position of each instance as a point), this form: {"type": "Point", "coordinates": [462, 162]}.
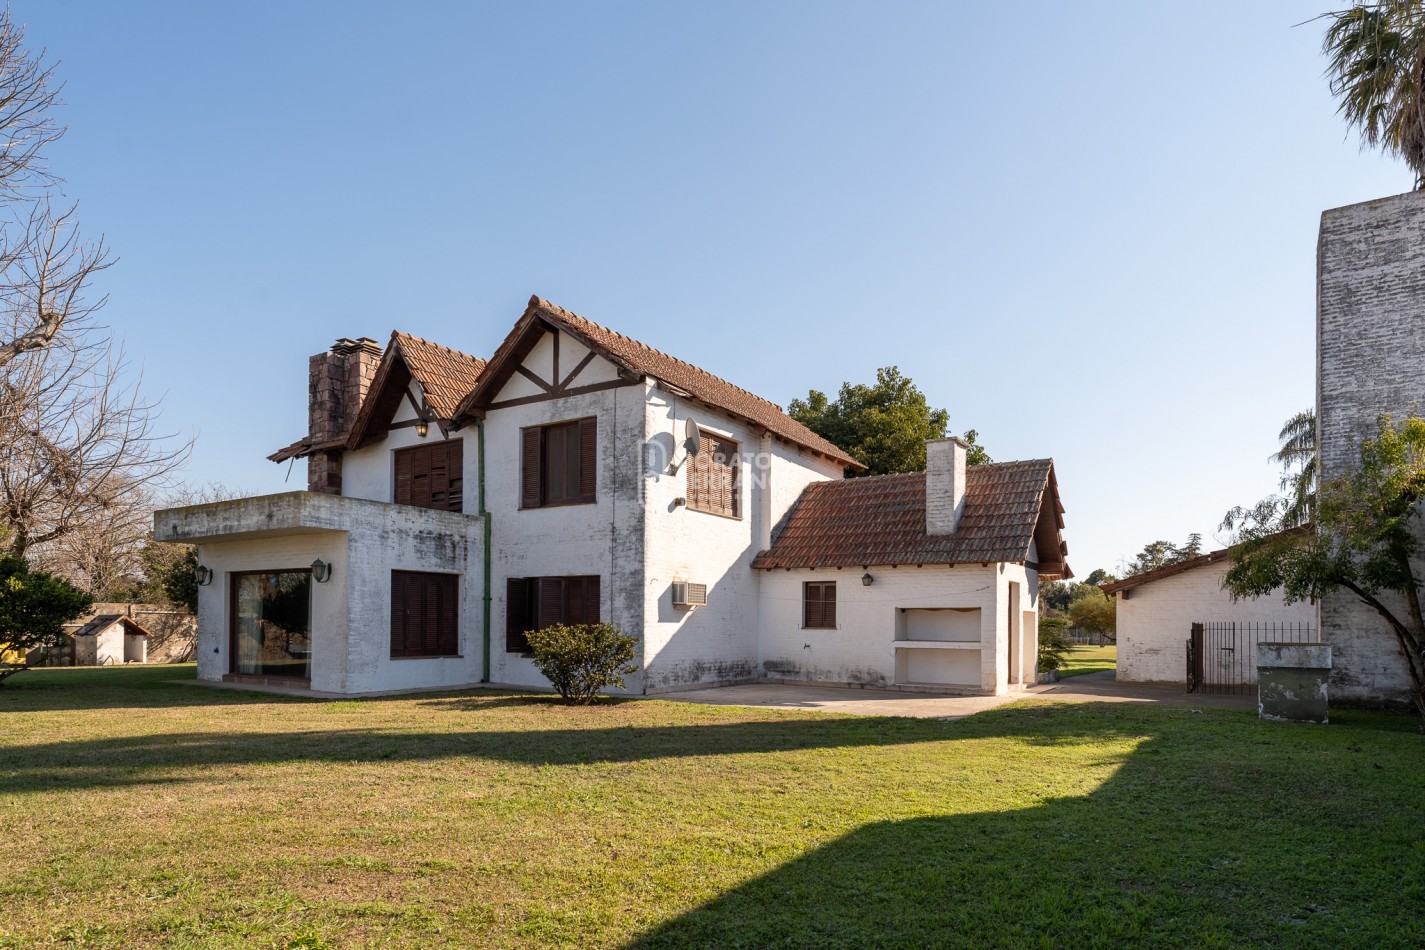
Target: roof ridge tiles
{"type": "Point", "coordinates": [653, 349]}
{"type": "Point", "coordinates": [440, 346]}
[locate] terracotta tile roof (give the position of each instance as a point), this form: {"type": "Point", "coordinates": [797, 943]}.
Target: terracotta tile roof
{"type": "Point", "coordinates": [445, 375]}
{"type": "Point", "coordinates": [103, 622]}
{"type": "Point", "coordinates": [881, 520]}
{"type": "Point", "coordinates": [644, 360]}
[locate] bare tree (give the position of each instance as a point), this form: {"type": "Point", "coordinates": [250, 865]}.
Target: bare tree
{"type": "Point", "coordinates": [44, 265]}
{"type": "Point", "coordinates": [79, 455]}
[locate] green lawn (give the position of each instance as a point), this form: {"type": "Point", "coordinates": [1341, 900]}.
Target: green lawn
{"type": "Point", "coordinates": [136, 811]}
{"type": "Point", "coordinates": [1086, 659]}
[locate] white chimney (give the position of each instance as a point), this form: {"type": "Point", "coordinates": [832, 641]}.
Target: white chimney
{"type": "Point", "coordinates": [944, 484]}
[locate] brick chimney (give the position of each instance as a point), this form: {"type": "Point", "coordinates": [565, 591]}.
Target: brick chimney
{"type": "Point", "coordinates": [944, 484]}
{"type": "Point", "coordinates": [337, 381]}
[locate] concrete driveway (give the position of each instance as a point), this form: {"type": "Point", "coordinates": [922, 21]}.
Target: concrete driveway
{"type": "Point", "coordinates": [1089, 688]}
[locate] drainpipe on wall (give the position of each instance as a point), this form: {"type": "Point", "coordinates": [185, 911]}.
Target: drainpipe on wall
{"type": "Point", "coordinates": [485, 519]}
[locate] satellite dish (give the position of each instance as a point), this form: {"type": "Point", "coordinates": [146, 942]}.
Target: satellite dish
{"type": "Point", "coordinates": [687, 447]}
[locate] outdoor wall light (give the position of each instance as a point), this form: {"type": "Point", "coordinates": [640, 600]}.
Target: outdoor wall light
{"type": "Point", "coordinates": [203, 575]}
{"type": "Point", "coordinates": [867, 580]}
{"type": "Point", "coordinates": [422, 427]}
{"type": "Point", "coordinates": [321, 571]}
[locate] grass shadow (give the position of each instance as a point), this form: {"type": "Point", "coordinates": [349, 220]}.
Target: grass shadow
{"type": "Point", "coordinates": [1191, 842]}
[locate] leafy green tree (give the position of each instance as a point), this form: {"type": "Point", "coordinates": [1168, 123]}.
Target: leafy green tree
{"type": "Point", "coordinates": [1376, 54]}
{"type": "Point", "coordinates": [34, 607]}
{"type": "Point", "coordinates": [170, 572]}
{"type": "Point", "coordinates": [1162, 553]}
{"type": "Point", "coordinates": [884, 426]}
{"type": "Point", "coordinates": [1054, 597]}
{"type": "Point", "coordinates": [1054, 643]}
{"type": "Point", "coordinates": [1097, 577]}
{"type": "Point", "coordinates": [1297, 457]}
{"type": "Point", "coordinates": [1094, 611]}
{"type": "Point", "coordinates": [1362, 541]}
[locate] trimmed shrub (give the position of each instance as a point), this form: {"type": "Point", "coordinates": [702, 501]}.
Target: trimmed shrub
{"type": "Point", "coordinates": [582, 659]}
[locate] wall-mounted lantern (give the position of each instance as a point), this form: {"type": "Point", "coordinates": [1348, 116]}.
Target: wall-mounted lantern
{"type": "Point", "coordinates": [867, 580]}
{"type": "Point", "coordinates": [203, 575]}
{"type": "Point", "coordinates": [422, 427]}
{"type": "Point", "coordinates": [321, 571]}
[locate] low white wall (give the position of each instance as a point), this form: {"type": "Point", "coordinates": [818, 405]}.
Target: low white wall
{"type": "Point", "coordinates": [1155, 620]}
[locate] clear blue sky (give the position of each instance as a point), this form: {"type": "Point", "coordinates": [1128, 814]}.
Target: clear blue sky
{"type": "Point", "coordinates": [1088, 230]}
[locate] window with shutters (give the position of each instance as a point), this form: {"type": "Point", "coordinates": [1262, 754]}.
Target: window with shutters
{"type": "Point", "coordinates": [557, 464]}
{"type": "Point", "coordinates": [425, 614]}
{"type": "Point", "coordinates": [819, 604]}
{"type": "Point", "coordinates": [713, 482]}
{"type": "Point", "coordinates": [533, 603]}
{"type": "Point", "coordinates": [431, 476]}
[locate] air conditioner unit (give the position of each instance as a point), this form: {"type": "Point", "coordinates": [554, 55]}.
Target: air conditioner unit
{"type": "Point", "coordinates": [687, 594]}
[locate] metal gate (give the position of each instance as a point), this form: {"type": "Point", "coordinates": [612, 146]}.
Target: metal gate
{"type": "Point", "coordinates": [1222, 655]}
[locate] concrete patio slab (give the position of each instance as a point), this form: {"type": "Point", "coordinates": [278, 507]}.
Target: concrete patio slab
{"type": "Point", "coordinates": [1089, 688]}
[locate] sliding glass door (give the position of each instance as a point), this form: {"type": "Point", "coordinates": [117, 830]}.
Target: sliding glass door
{"type": "Point", "coordinates": [272, 627]}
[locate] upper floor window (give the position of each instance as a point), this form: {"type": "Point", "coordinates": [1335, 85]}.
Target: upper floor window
{"type": "Point", "coordinates": [557, 464]}
{"type": "Point", "coordinates": [713, 483]}
{"type": "Point", "coordinates": [431, 476]}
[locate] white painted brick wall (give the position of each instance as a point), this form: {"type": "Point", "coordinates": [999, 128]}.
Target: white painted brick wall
{"type": "Point", "coordinates": [944, 484]}
{"type": "Point", "coordinates": [1370, 352]}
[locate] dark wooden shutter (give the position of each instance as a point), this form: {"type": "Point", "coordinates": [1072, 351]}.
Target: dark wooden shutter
{"type": "Point", "coordinates": [454, 475]}
{"type": "Point", "coordinates": [819, 604]}
{"type": "Point", "coordinates": [550, 609]}
{"type": "Point", "coordinates": [811, 605]}
{"type": "Point", "coordinates": [431, 476]}
{"type": "Point", "coordinates": [420, 477]}
{"type": "Point", "coordinates": [588, 456]}
{"type": "Point", "coordinates": [447, 615]}
{"type": "Point", "coordinates": [531, 480]}
{"type": "Point", "coordinates": [402, 493]}
{"type": "Point", "coordinates": [519, 618]}
{"type": "Point", "coordinates": [698, 470]}
{"type": "Point", "coordinates": [400, 604]}
{"type": "Point", "coordinates": [582, 602]}
{"type": "Point", "coordinates": [425, 614]}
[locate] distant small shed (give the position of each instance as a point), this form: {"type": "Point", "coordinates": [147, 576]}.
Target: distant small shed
{"type": "Point", "coordinates": [1156, 611]}
{"type": "Point", "coordinates": [110, 640]}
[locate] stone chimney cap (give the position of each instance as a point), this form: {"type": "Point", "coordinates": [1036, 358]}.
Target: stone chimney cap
{"type": "Point", "coordinates": [345, 345]}
{"type": "Point", "coordinates": [950, 438]}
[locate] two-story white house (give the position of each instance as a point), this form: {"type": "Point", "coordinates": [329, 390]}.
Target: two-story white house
{"type": "Point", "coordinates": [454, 504]}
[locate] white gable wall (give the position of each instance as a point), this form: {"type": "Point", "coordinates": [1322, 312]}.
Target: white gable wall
{"type": "Point", "coordinates": [604, 538]}
{"type": "Point", "coordinates": [369, 472]}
